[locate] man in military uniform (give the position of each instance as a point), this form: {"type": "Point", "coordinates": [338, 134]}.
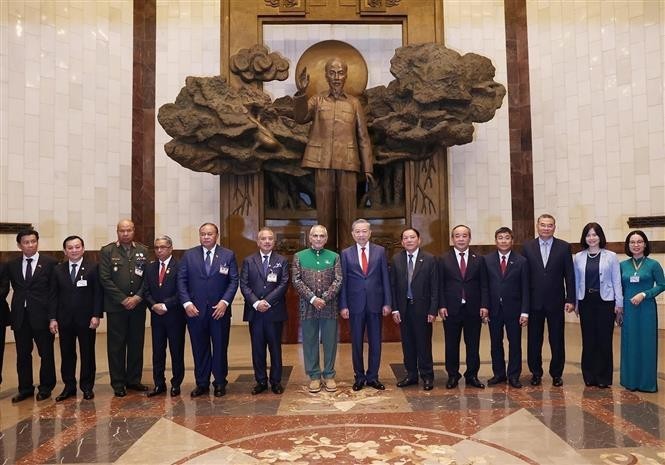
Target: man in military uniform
{"type": "Point", "coordinates": [121, 268]}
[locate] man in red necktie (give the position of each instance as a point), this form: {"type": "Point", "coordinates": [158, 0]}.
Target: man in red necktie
{"type": "Point", "coordinates": [508, 277]}
{"type": "Point", "coordinates": [167, 317]}
{"type": "Point", "coordinates": [463, 300]}
{"type": "Point", "coordinates": [364, 299]}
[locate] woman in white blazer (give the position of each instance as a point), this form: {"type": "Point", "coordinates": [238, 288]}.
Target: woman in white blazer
{"type": "Point", "coordinates": [599, 304]}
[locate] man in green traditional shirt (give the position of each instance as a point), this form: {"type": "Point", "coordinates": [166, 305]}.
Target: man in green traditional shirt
{"type": "Point", "coordinates": [317, 276]}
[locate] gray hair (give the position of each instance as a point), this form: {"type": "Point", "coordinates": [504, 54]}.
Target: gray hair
{"type": "Point", "coordinates": [360, 221]}
{"type": "Point", "coordinates": [166, 238]}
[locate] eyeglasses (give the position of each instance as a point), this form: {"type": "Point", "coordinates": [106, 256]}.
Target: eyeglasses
{"type": "Point", "coordinates": [160, 247]}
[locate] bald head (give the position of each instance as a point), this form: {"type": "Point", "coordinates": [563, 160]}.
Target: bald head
{"type": "Point", "coordinates": [125, 230]}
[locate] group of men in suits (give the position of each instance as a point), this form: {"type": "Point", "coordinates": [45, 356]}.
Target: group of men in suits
{"type": "Point", "coordinates": [504, 289]}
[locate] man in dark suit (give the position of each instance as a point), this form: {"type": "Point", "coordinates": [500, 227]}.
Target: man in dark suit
{"type": "Point", "coordinates": [508, 276]}
{"type": "Point", "coordinates": [415, 290]}
{"type": "Point", "coordinates": [463, 301]}
{"type": "Point", "coordinates": [207, 284]}
{"type": "Point", "coordinates": [121, 267]}
{"type": "Point", "coordinates": [78, 307]}
{"type": "Point", "coordinates": [31, 311]}
{"type": "Point", "coordinates": [4, 312]}
{"type": "Point", "coordinates": [363, 300]}
{"type": "Point", "coordinates": [264, 280]}
{"type": "Point", "coordinates": [552, 293]}
{"type": "Point", "coordinates": [167, 318]}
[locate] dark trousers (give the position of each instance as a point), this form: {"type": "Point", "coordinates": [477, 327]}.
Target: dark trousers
{"type": "Point", "coordinates": [3, 332]}
{"type": "Point", "coordinates": [266, 336]}
{"type": "Point", "coordinates": [126, 333]}
{"type": "Point", "coordinates": [210, 344]}
{"type": "Point", "coordinates": [416, 334]}
{"type": "Point", "coordinates": [467, 321]}
{"type": "Point", "coordinates": [511, 323]}
{"type": "Point", "coordinates": [86, 341]}
{"type": "Point", "coordinates": [171, 333]}
{"type": "Point", "coordinates": [43, 339]}
{"type": "Point", "coordinates": [555, 333]}
{"type": "Point", "coordinates": [597, 323]}
{"type": "Point", "coordinates": [336, 202]}
{"type": "Point", "coordinates": [359, 322]}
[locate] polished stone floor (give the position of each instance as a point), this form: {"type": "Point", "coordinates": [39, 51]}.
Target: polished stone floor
{"type": "Point", "coordinates": [569, 425]}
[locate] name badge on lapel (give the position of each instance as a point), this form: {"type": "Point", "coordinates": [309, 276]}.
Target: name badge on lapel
{"type": "Point", "coordinates": [224, 269]}
{"type": "Point", "coordinates": [82, 283]}
{"type": "Point", "coordinates": [272, 277]}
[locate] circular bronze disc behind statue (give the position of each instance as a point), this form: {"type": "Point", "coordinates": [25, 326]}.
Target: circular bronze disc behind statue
{"type": "Point", "coordinates": [315, 58]}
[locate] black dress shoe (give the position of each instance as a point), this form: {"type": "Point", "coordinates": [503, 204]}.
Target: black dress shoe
{"type": "Point", "coordinates": [589, 384]}
{"type": "Point", "coordinates": [407, 382]}
{"type": "Point", "coordinates": [199, 391]}
{"type": "Point", "coordinates": [175, 391]}
{"type": "Point", "coordinates": [158, 390]}
{"type": "Point", "coordinates": [475, 382]}
{"type": "Point", "coordinates": [358, 385]}
{"type": "Point", "coordinates": [557, 381]}
{"type": "Point", "coordinates": [21, 396]}
{"type": "Point", "coordinates": [43, 395]}
{"type": "Point", "coordinates": [376, 384]}
{"type": "Point", "coordinates": [515, 382]}
{"type": "Point", "coordinates": [258, 389]}
{"type": "Point", "coordinates": [453, 381]}
{"type": "Point", "coordinates": [536, 380]}
{"type": "Point", "coordinates": [220, 391]}
{"type": "Point", "coordinates": [122, 392]}
{"type": "Point", "coordinates": [496, 380]}
{"type": "Point", "coordinates": [428, 384]}
{"type": "Point", "coordinates": [88, 395]}
{"type": "Point", "coordinates": [138, 387]}
{"type": "Point", "coordinates": [64, 395]}
{"type": "Point", "coordinates": [277, 388]}
{"type": "Point", "coordinates": [603, 385]}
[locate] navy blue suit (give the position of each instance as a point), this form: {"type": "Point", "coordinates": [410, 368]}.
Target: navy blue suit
{"type": "Point", "coordinates": [265, 328]}
{"type": "Point", "coordinates": [463, 316]}
{"type": "Point", "coordinates": [205, 291]}
{"type": "Point", "coordinates": [509, 298]}
{"type": "Point", "coordinates": [551, 286]}
{"type": "Point", "coordinates": [76, 304]}
{"type": "Point", "coordinates": [168, 328]}
{"type": "Point", "coordinates": [365, 296]}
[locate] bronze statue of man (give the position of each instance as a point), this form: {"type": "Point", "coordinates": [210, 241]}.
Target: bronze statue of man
{"type": "Point", "coordinates": [338, 147]}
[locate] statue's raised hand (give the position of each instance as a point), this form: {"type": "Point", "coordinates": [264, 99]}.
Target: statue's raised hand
{"type": "Point", "coordinates": [303, 80]}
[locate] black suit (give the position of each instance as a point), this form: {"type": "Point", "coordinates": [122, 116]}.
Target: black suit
{"type": "Point", "coordinates": [4, 311]}
{"type": "Point", "coordinates": [509, 298]}
{"type": "Point", "coordinates": [463, 316]}
{"type": "Point", "coordinates": [415, 330]}
{"type": "Point", "coordinates": [265, 328]}
{"type": "Point", "coordinates": [76, 304]}
{"type": "Point", "coordinates": [551, 288]}
{"type": "Point", "coordinates": [168, 328]}
{"type": "Point", "coordinates": [31, 312]}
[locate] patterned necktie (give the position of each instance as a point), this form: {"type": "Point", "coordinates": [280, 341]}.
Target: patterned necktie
{"type": "Point", "coordinates": [503, 265]}
{"type": "Point", "coordinates": [72, 274]}
{"type": "Point", "coordinates": [208, 262]}
{"type": "Point", "coordinates": [363, 260]}
{"type": "Point", "coordinates": [409, 277]}
{"type": "Point", "coordinates": [265, 265]}
{"type": "Point", "coordinates": [162, 273]}
{"type": "Point", "coordinates": [28, 269]}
